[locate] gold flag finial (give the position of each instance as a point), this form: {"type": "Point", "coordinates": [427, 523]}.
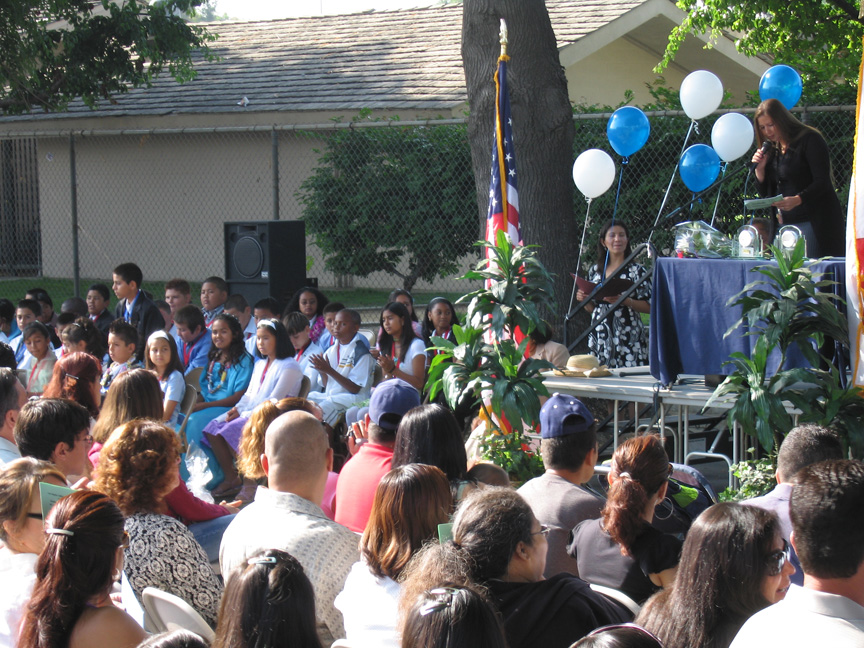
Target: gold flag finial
{"type": "Point", "coordinates": [503, 37]}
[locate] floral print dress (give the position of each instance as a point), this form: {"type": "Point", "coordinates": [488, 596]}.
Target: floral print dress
{"type": "Point", "coordinates": [620, 341]}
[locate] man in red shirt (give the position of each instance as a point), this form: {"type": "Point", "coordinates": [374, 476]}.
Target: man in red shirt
{"type": "Point", "coordinates": [359, 478]}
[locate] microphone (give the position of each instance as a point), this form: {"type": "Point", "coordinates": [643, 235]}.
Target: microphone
{"type": "Point", "coordinates": [767, 145]}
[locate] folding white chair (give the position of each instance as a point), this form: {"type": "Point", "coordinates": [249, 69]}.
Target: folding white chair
{"type": "Point", "coordinates": [169, 612]}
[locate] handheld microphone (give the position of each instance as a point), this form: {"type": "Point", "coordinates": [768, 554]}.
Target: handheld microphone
{"type": "Point", "coordinates": [767, 145]}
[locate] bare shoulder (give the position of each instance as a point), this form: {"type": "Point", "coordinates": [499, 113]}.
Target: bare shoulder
{"type": "Point", "coordinates": [106, 627]}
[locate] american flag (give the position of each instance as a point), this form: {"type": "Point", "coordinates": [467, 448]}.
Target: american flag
{"type": "Point", "coordinates": [855, 246]}
{"type": "Point", "coordinates": [503, 212]}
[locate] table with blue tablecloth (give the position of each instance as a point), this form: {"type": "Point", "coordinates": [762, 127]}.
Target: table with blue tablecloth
{"type": "Point", "coordinates": [689, 314]}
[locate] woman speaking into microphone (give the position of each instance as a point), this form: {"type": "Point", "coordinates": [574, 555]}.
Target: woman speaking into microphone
{"type": "Point", "coordinates": [797, 166]}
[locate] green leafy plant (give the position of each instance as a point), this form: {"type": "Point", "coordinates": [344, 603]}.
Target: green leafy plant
{"type": "Point", "coordinates": [756, 476]}
{"type": "Point", "coordinates": [487, 360]}
{"type": "Point", "coordinates": [789, 306]}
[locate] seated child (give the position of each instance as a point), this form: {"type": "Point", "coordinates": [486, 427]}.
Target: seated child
{"type": "Point", "coordinates": [122, 345]}
{"type": "Point", "coordinates": [345, 369]}
{"type": "Point", "coordinates": [163, 307]}
{"type": "Point", "coordinates": [27, 312]}
{"type": "Point", "coordinates": [193, 339]}
{"type": "Point", "coordinates": [82, 335]}
{"type": "Point", "coordinates": [267, 308]}
{"type": "Point", "coordinates": [276, 375]}
{"type": "Point", "coordinates": [40, 364]}
{"type": "Point", "coordinates": [304, 348]}
{"type": "Point", "coordinates": [63, 322]}
{"type": "Point", "coordinates": [214, 294]}
{"type": "Point", "coordinates": [7, 320]}
{"type": "Point", "coordinates": [161, 358]}
{"type": "Point", "coordinates": [237, 306]}
{"type": "Point", "coordinates": [310, 302]}
{"type": "Point", "coordinates": [178, 293]}
{"type": "Point", "coordinates": [98, 299]}
{"type": "Point", "coordinates": [48, 316]}
{"type": "Point", "coordinates": [326, 340]}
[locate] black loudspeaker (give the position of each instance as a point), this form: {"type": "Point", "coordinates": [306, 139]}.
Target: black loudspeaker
{"type": "Point", "coordinates": [265, 259]}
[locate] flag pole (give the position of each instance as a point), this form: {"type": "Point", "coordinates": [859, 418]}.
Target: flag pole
{"type": "Point", "coordinates": [502, 37]}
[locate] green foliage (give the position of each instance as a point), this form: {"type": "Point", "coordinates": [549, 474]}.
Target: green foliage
{"type": "Point", "coordinates": [381, 196]}
{"type": "Point", "coordinates": [55, 51]}
{"type": "Point", "coordinates": [485, 358]}
{"type": "Point", "coordinates": [756, 477]}
{"type": "Point", "coordinates": [787, 307]}
{"type": "Point", "coordinates": [819, 38]}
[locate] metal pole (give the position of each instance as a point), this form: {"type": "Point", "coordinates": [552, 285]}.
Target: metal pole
{"type": "Point", "coordinates": [274, 146]}
{"type": "Point", "coordinates": [73, 182]}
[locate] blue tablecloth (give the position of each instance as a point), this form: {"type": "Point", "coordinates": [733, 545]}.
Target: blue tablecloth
{"type": "Point", "coordinates": [689, 315]}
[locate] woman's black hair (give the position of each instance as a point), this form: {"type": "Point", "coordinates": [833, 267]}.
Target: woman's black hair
{"type": "Point", "coordinates": [284, 348]}
{"type": "Point", "coordinates": [268, 601]}
{"type": "Point", "coordinates": [430, 434]}
{"type": "Point", "coordinates": [82, 329]}
{"type": "Point", "coordinates": [294, 303]}
{"type": "Point", "coordinates": [601, 249]}
{"type": "Point", "coordinates": [385, 340]}
{"type": "Point", "coordinates": [428, 327]}
{"type": "Point", "coordinates": [237, 349]}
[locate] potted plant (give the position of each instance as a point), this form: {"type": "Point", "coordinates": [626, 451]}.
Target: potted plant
{"type": "Point", "coordinates": [487, 363]}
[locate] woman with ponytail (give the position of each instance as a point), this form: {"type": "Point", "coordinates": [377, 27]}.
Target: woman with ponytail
{"type": "Point", "coordinates": [76, 377]}
{"type": "Point", "coordinates": [83, 556]}
{"type": "Point", "coordinates": [622, 550]}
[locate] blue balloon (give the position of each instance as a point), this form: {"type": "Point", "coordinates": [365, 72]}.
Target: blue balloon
{"type": "Point", "coordinates": [782, 83]}
{"type": "Point", "coordinates": [628, 130]}
{"type": "Point", "coordinates": [699, 166]}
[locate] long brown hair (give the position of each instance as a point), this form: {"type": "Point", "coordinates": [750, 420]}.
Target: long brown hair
{"type": "Point", "coordinates": [84, 529]}
{"type": "Point", "coordinates": [410, 502]}
{"type": "Point", "coordinates": [133, 394]}
{"type": "Point", "coordinates": [73, 378]}
{"type": "Point", "coordinates": [784, 121]}
{"type": "Point", "coordinates": [640, 467]}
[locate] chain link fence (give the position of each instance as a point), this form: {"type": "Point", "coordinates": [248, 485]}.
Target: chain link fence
{"type": "Point", "coordinates": [386, 205]}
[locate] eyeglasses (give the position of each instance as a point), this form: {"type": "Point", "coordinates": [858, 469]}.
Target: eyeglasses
{"type": "Point", "coordinates": [544, 530]}
{"type": "Point", "coordinates": [776, 560]}
{"type": "Point", "coordinates": [36, 516]}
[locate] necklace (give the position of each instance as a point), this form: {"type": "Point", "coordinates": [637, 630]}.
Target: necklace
{"type": "Point", "coordinates": [213, 387]}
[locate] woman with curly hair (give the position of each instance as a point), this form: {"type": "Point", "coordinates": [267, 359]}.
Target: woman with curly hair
{"type": "Point", "coordinates": [139, 466]}
{"type": "Point", "coordinates": [71, 604]}
{"type": "Point", "coordinates": [622, 550]}
{"type": "Point", "coordinates": [76, 377]}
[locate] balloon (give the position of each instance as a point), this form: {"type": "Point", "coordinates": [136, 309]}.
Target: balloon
{"type": "Point", "coordinates": [701, 93]}
{"type": "Point", "coordinates": [732, 136]}
{"type": "Point", "coordinates": [782, 83]}
{"type": "Point", "coordinates": [699, 167]}
{"type": "Point", "coordinates": [628, 130]}
{"type": "Point", "coordinates": [593, 172]}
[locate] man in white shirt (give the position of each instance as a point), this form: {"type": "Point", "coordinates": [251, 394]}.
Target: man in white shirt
{"type": "Point", "coordinates": [12, 399]}
{"type": "Point", "coordinates": [827, 512]}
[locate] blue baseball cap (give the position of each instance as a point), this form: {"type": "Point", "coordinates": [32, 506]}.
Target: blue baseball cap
{"type": "Point", "coordinates": [557, 410]}
{"type": "Point", "coordinates": [391, 400]}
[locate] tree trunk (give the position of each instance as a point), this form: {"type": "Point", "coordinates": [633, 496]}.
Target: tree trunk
{"type": "Point", "coordinates": [543, 128]}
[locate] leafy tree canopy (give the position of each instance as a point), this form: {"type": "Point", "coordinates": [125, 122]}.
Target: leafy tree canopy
{"type": "Point", "coordinates": [819, 38]}
{"type": "Point", "coordinates": [55, 51]}
{"type": "Point", "coordinates": [381, 197]}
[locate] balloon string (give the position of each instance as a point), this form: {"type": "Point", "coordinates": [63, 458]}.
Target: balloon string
{"type": "Point", "coordinates": [625, 160]}
{"type": "Point", "coordinates": [671, 180]}
{"type": "Point", "coordinates": [579, 258]}
{"type": "Point", "coordinates": [719, 191]}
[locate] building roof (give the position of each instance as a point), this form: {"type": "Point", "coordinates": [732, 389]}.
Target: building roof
{"type": "Point", "coordinates": [380, 60]}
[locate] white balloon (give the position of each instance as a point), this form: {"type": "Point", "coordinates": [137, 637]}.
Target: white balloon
{"type": "Point", "coordinates": [593, 172]}
{"type": "Point", "coordinates": [732, 136]}
{"type": "Point", "coordinates": [701, 93]}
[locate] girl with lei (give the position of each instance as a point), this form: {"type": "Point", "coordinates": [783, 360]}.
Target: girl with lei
{"type": "Point", "coordinates": [401, 354]}
{"type": "Point", "coordinates": [222, 384]}
{"type": "Point", "coordinates": [276, 375]}
{"type": "Point", "coordinates": [310, 302]}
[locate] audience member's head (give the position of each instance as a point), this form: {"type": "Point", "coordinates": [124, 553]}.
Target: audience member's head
{"type": "Point", "coordinates": [127, 279]}
{"type": "Point", "coordinates": [12, 399]}
{"type": "Point", "coordinates": [165, 310]}
{"type": "Point", "coordinates": [37, 337]}
{"type": "Point", "coordinates": [390, 401]}
{"type": "Point", "coordinates": [45, 302]}
{"type": "Point", "coordinates": [7, 315]}
{"type": "Point", "coordinates": [178, 293]}
{"type": "Point", "coordinates": [265, 308]}
{"type": "Point", "coordinates": [429, 434]}
{"type": "Point", "coordinates": [732, 565]}
{"type": "Point", "coordinates": [827, 522]}
{"type": "Point", "coordinates": [346, 325]}
{"type": "Point", "coordinates": [440, 316]}
{"type": "Point", "coordinates": [174, 639]}
{"type": "Point", "coordinates": [55, 430]}
{"type": "Point", "coordinates": [452, 616]}
{"type": "Point", "coordinates": [133, 394]}
{"type": "Point", "coordinates": [161, 355]}
{"type": "Point", "coordinates": [237, 306]}
{"type": "Point", "coordinates": [309, 301]}
{"type": "Point", "coordinates": [76, 377]}
{"type": "Point", "coordinates": [98, 298]}
{"type": "Point", "coordinates": [82, 335]}
{"type": "Point", "coordinates": [139, 466]}
{"type": "Point", "coordinates": [7, 356]}
{"type": "Point", "coordinates": [122, 341]}
{"type": "Point", "coordinates": [410, 502]}
{"type": "Point", "coordinates": [27, 312]}
{"type": "Point", "coordinates": [489, 474]}
{"type": "Point", "coordinates": [255, 430]}
{"type": "Point", "coordinates": [568, 435]}
{"type": "Point", "coordinates": [268, 602]}
{"type": "Point", "coordinates": [214, 292]}
{"type": "Point", "coordinates": [297, 455]}
{"type": "Point", "coordinates": [804, 445]}
{"type": "Point", "coordinates": [75, 305]}
{"type": "Point", "coordinates": [21, 527]}
{"type": "Point", "coordinates": [625, 635]}
{"type": "Point", "coordinates": [83, 549]}
{"type": "Point", "coordinates": [190, 323]}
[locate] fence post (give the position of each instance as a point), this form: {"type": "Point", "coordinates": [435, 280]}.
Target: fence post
{"type": "Point", "coordinates": [274, 146]}
{"type": "Point", "coordinates": [73, 179]}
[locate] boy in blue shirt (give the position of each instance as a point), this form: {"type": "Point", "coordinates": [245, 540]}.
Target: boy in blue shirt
{"type": "Point", "coordinates": [122, 343]}
{"type": "Point", "coordinates": [193, 338]}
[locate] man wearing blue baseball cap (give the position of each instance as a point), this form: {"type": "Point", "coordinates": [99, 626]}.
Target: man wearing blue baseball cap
{"type": "Point", "coordinates": [568, 447]}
